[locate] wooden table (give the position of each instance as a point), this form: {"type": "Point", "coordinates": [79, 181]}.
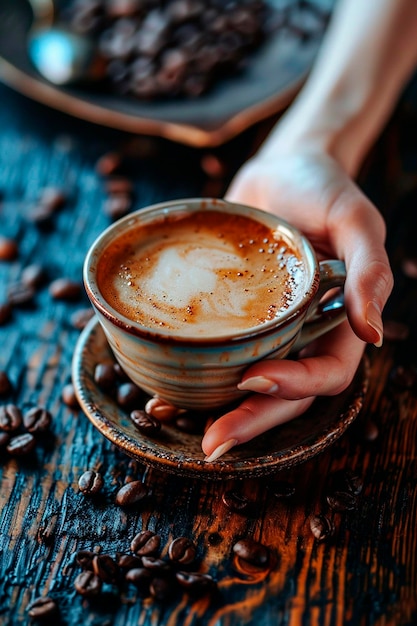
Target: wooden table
{"type": "Point", "coordinates": [365, 574]}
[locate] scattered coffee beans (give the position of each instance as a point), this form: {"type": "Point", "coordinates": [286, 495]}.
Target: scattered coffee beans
{"type": "Point", "coordinates": [253, 552]}
{"type": "Point", "coordinates": [37, 420]}
{"type": "Point", "coordinates": [79, 319]}
{"type": "Point", "coordinates": [321, 526]}
{"type": "Point", "coordinates": [5, 385]}
{"type": "Point", "coordinates": [5, 312]}
{"type": "Point", "coordinates": [21, 445]}
{"type": "Point", "coordinates": [88, 584]}
{"type": "Point", "coordinates": [182, 550]}
{"type": "Point", "coordinates": [131, 494]}
{"type": "Point", "coordinates": [69, 397]}
{"type": "Point", "coordinates": [19, 294]}
{"type": "Point", "coordinates": [145, 423]}
{"type": "Point", "coordinates": [105, 568]}
{"type": "Point", "coordinates": [64, 289]}
{"type": "Point", "coordinates": [43, 609]}
{"type": "Point", "coordinates": [10, 417]}
{"type": "Point", "coordinates": [9, 249]}
{"type": "Point", "coordinates": [145, 543]}
{"type": "Point", "coordinates": [90, 483]}
{"type": "Point", "coordinates": [32, 276]}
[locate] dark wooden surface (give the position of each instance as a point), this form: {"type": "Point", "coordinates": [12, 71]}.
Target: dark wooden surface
{"type": "Point", "coordinates": [365, 575]}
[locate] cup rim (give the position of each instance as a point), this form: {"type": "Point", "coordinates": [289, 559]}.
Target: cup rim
{"type": "Point", "coordinates": [196, 204]}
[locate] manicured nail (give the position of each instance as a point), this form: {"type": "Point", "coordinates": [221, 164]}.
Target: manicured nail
{"type": "Point", "coordinates": [220, 450]}
{"type": "Point", "coordinates": [260, 384]}
{"type": "Point", "coordinates": [374, 320]}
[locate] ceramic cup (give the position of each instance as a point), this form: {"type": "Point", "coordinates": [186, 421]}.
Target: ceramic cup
{"type": "Point", "coordinates": [190, 293]}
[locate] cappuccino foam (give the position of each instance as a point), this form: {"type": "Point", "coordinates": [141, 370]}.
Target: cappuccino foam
{"type": "Point", "coordinates": [202, 274]}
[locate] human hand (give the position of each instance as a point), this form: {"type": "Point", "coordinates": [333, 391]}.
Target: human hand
{"type": "Point", "coordinates": [313, 192]}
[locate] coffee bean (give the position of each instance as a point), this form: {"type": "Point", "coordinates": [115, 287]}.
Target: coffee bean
{"type": "Point", "coordinates": [321, 527]}
{"type": "Point", "coordinates": [88, 584]}
{"type": "Point", "coordinates": [120, 373]}
{"type": "Point", "coordinates": [146, 542]}
{"type": "Point", "coordinates": [141, 578]}
{"type": "Point", "coordinates": [409, 267]}
{"type": "Point", "coordinates": [105, 377]}
{"type": "Point", "coordinates": [156, 565]}
{"type": "Point", "coordinates": [145, 423]}
{"type": "Point", "coordinates": [32, 276]}
{"type": "Point", "coordinates": [127, 562]}
{"type": "Point", "coordinates": [64, 289]}
{"type": "Point", "coordinates": [19, 294]}
{"type": "Point", "coordinates": [129, 396]}
{"type": "Point", "coordinates": [106, 568]}
{"type": "Point", "coordinates": [252, 551]}
{"type": "Point", "coordinates": [79, 319]}
{"type": "Point", "coordinates": [53, 198]}
{"type": "Point", "coordinates": [182, 550]}
{"type": "Point", "coordinates": [161, 409]}
{"type": "Point", "coordinates": [196, 583]}
{"type": "Point", "coordinates": [132, 493]}
{"type": "Point", "coordinates": [108, 163]}
{"type": "Point", "coordinates": [84, 558]}
{"type": "Point", "coordinates": [90, 483]}
{"type": "Point", "coordinates": [236, 501]}
{"type": "Point", "coordinates": [5, 384]}
{"type": "Point", "coordinates": [5, 312]}
{"type": "Point", "coordinates": [21, 444]}
{"type": "Point", "coordinates": [117, 205]}
{"type": "Point", "coordinates": [370, 430]}
{"type": "Point", "coordinates": [40, 215]}
{"type": "Point", "coordinates": [341, 501]}
{"type": "Point", "coordinates": [9, 249]}
{"type": "Point", "coordinates": [43, 609]}
{"type": "Point", "coordinates": [4, 439]}
{"type": "Point", "coordinates": [37, 420]}
{"type": "Point", "coordinates": [69, 396]}
{"type": "Point", "coordinates": [10, 417]}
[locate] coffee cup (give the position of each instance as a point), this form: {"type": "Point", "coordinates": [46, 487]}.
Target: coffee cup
{"type": "Point", "coordinates": [191, 292]}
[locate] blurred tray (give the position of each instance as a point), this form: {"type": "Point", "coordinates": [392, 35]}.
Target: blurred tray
{"type": "Point", "coordinates": [272, 78]}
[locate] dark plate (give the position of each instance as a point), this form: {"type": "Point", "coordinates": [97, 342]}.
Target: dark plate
{"type": "Point", "coordinates": [264, 88]}
{"type": "Point", "coordinates": [180, 453]}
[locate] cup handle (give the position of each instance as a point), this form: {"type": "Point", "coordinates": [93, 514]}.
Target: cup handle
{"type": "Point", "coordinates": [324, 314]}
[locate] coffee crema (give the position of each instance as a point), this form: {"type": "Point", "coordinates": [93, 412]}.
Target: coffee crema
{"type": "Point", "coordinates": [202, 274]}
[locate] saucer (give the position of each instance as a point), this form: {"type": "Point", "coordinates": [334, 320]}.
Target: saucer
{"type": "Point", "coordinates": [180, 453]}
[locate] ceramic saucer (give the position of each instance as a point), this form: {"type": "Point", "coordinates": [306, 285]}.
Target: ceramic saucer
{"type": "Point", "coordinates": [180, 453]}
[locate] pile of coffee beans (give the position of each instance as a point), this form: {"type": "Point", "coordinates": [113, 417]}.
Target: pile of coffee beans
{"type": "Point", "coordinates": [169, 48]}
{"type": "Point", "coordinates": [154, 576]}
{"type": "Point", "coordinates": [20, 431]}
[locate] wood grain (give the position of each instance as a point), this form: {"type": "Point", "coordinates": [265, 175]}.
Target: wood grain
{"type": "Point", "coordinates": [365, 575]}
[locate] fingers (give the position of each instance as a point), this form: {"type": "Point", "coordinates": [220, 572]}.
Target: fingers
{"type": "Point", "coordinates": [286, 388]}
{"type": "Point", "coordinates": [324, 374]}
{"type": "Point", "coordinates": [358, 234]}
{"type": "Point", "coordinates": [326, 367]}
{"type": "Point", "coordinates": [255, 415]}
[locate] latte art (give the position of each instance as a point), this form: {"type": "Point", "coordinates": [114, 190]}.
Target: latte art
{"type": "Point", "coordinates": [202, 274]}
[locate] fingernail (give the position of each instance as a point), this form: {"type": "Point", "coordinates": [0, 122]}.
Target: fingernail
{"type": "Point", "coordinates": [374, 320]}
{"type": "Point", "coordinates": [259, 384]}
{"type": "Point", "coordinates": [221, 449]}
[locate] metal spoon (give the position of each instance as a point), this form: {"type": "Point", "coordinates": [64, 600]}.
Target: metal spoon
{"type": "Point", "coordinates": [60, 55]}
